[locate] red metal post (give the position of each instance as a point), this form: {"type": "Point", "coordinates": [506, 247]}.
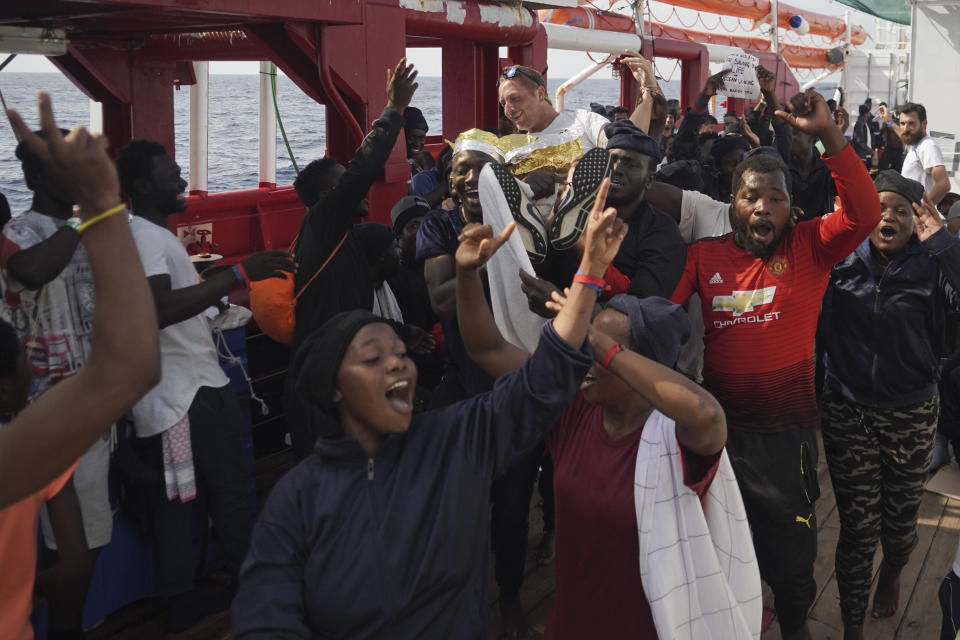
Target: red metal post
{"type": "Point", "coordinates": [152, 106]}
{"type": "Point", "coordinates": [534, 54]}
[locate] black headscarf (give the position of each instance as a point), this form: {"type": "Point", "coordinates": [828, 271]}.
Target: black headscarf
{"type": "Point", "coordinates": [317, 361]}
{"type": "Point", "coordinates": [891, 180]}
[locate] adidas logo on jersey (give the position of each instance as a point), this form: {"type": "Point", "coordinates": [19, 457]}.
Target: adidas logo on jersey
{"type": "Point", "coordinates": [716, 279]}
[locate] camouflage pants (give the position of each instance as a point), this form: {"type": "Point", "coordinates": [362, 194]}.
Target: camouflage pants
{"type": "Point", "coordinates": [878, 460]}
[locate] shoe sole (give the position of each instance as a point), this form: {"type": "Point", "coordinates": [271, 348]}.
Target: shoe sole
{"type": "Point", "coordinates": [571, 217]}
{"type": "Point", "coordinates": [529, 224]}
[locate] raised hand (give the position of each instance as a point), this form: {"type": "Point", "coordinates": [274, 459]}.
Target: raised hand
{"type": "Point", "coordinates": [928, 220]}
{"type": "Point", "coordinates": [640, 67]}
{"type": "Point", "coordinates": [269, 264]}
{"type": "Point", "coordinates": [884, 114]}
{"type": "Point", "coordinates": [77, 161]}
{"type": "Point", "coordinates": [401, 85]}
{"type": "Point", "coordinates": [748, 133]}
{"type": "Point", "coordinates": [768, 86]}
{"type": "Point", "coordinates": [767, 80]}
{"type": "Point", "coordinates": [842, 118]}
{"type": "Point", "coordinates": [604, 234]}
{"type": "Point", "coordinates": [477, 244]}
{"type": "Point", "coordinates": [713, 84]}
{"type": "Point", "coordinates": [813, 116]}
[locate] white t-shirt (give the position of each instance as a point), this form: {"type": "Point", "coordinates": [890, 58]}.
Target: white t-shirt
{"type": "Point", "coordinates": [700, 217]}
{"type": "Point", "coordinates": [588, 124]}
{"type": "Point", "coordinates": [55, 322]}
{"type": "Point", "coordinates": [188, 357]}
{"type": "Point", "coordinates": [920, 159]}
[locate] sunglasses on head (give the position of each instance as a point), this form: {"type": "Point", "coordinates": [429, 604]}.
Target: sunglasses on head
{"type": "Point", "coordinates": [511, 72]}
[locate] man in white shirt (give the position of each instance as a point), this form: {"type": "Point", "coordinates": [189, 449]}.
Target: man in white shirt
{"type": "Point", "coordinates": [923, 161]}
{"type": "Point", "coordinates": [191, 420]}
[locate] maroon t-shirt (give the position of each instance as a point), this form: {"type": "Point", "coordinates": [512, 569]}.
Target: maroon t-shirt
{"type": "Point", "coordinates": [599, 593]}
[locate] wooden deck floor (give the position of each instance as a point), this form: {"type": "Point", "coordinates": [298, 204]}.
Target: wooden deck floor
{"type": "Point", "coordinates": [918, 617]}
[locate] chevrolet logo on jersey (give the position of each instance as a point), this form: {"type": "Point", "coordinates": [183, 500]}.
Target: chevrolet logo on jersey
{"type": "Point", "coordinates": [742, 302]}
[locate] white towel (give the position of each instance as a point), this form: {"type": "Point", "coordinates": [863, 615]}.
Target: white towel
{"type": "Point", "coordinates": [516, 322]}
{"type": "Point", "coordinates": [697, 564]}
{"type": "Point", "coordinates": [385, 303]}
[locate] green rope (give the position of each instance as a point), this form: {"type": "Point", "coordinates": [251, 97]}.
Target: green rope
{"type": "Point", "coordinates": [276, 110]}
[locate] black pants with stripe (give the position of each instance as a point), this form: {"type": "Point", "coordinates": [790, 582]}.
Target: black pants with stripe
{"type": "Point", "coordinates": [777, 474]}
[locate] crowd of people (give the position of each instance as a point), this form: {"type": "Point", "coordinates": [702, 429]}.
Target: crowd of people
{"type": "Point", "coordinates": [645, 319]}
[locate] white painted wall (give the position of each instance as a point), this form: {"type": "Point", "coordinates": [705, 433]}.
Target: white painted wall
{"type": "Point", "coordinates": [935, 75]}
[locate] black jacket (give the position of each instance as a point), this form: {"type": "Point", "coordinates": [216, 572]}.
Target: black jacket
{"type": "Point", "coordinates": [885, 338]}
{"type": "Point", "coordinates": [397, 546]}
{"type": "Point", "coordinates": [345, 283]}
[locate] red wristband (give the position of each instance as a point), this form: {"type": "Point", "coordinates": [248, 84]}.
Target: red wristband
{"type": "Point", "coordinates": [590, 281]}
{"type": "Point", "coordinates": [608, 356]}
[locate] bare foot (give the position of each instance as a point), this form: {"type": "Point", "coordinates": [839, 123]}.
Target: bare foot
{"type": "Point", "coordinates": [515, 625]}
{"type": "Point", "coordinates": [853, 632]}
{"type": "Point", "coordinates": [544, 552]}
{"type": "Point", "coordinates": [886, 599]}
{"type": "Point", "coordinates": [803, 633]}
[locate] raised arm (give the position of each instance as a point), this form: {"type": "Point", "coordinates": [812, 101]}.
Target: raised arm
{"type": "Point", "coordinates": [496, 427]}
{"type": "Point", "coordinates": [859, 211]}
{"type": "Point", "coordinates": [44, 439]}
{"type": "Point", "coordinates": [701, 423]}
{"type": "Point", "coordinates": [333, 215]}
{"type": "Point", "coordinates": [642, 71]}
{"type": "Point", "coordinates": [485, 344]}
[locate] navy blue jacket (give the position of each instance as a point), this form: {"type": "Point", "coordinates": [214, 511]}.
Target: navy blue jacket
{"type": "Point", "coordinates": [397, 546]}
{"type": "Point", "coordinates": [885, 338]}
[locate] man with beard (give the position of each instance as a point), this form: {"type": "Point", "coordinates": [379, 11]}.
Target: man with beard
{"type": "Point", "coordinates": [923, 160]}
{"type": "Point", "coordinates": [760, 290]}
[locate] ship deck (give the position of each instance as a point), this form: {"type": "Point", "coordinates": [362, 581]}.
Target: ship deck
{"type": "Point", "coordinates": [917, 617]}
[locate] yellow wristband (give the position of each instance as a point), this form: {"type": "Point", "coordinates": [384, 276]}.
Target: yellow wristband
{"type": "Point", "coordinates": [101, 216]}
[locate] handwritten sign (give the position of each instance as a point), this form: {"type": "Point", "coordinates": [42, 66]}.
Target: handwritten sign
{"type": "Point", "coordinates": [742, 81]}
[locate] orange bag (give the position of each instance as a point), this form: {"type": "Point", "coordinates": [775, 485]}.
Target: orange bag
{"type": "Point", "coordinates": [273, 302]}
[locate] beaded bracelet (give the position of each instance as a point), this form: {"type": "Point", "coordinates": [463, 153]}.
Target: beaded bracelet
{"type": "Point", "coordinates": [100, 217]}
{"type": "Point", "coordinates": [74, 223]}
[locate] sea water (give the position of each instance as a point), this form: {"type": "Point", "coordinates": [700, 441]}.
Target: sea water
{"type": "Point", "coordinates": [232, 162]}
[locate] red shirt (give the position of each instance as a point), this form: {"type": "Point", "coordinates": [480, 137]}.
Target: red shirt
{"type": "Point", "coordinates": [761, 315]}
{"type": "Point", "coordinates": [599, 592]}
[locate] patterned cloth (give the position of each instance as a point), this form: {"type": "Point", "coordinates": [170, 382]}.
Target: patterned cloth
{"type": "Point", "coordinates": [54, 322]}
{"type": "Point", "coordinates": [178, 472]}
{"type": "Point", "coordinates": [878, 461]}
{"type": "Point", "coordinates": [698, 565]}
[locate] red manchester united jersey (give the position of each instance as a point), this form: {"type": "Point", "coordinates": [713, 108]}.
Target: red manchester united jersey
{"type": "Point", "coordinates": [760, 316]}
